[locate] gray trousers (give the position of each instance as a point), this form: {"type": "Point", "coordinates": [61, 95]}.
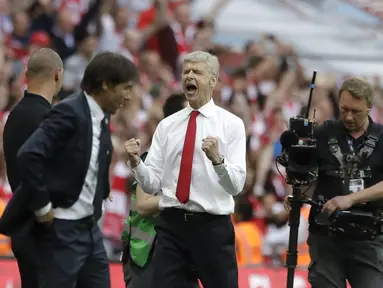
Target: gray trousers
{"type": "Point", "coordinates": [335, 259]}
{"type": "Point", "coordinates": [72, 255]}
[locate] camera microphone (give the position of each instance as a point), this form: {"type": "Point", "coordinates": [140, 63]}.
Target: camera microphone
{"type": "Point", "coordinates": [288, 138]}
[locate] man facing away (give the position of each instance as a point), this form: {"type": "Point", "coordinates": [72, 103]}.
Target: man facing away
{"type": "Point", "coordinates": [139, 233]}
{"type": "Point", "coordinates": [64, 165]}
{"type": "Point", "coordinates": [44, 76]}
{"type": "Point", "coordinates": [198, 174]}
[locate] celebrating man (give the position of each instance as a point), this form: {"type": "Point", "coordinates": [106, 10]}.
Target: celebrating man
{"type": "Point", "coordinates": [198, 160]}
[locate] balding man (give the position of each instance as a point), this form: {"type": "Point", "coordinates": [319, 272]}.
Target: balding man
{"type": "Point", "coordinates": [44, 76]}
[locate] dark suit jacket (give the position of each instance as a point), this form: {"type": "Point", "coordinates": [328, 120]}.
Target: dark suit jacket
{"type": "Point", "coordinates": [23, 120]}
{"type": "Point", "coordinates": [54, 161]}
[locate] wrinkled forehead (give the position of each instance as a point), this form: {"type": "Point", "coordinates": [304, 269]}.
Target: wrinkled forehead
{"type": "Point", "coordinates": [346, 101]}
{"type": "Point", "coordinates": [195, 66]}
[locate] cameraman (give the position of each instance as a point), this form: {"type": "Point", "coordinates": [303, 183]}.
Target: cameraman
{"type": "Point", "coordinates": [350, 154]}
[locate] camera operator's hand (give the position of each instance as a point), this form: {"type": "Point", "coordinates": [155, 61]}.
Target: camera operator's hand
{"type": "Point", "coordinates": [337, 203]}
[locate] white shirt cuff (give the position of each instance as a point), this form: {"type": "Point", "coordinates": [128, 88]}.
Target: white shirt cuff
{"type": "Point", "coordinates": [44, 210]}
{"type": "Point", "coordinates": [220, 169]}
{"type": "Point", "coordinates": [137, 168]}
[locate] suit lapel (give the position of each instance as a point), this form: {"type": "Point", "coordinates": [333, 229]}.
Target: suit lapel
{"type": "Point", "coordinates": [89, 130]}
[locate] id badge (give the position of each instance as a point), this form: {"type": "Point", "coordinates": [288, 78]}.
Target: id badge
{"type": "Point", "coordinates": [356, 185]}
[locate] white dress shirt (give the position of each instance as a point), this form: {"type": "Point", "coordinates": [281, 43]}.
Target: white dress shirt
{"type": "Point", "coordinates": [83, 207]}
{"type": "Point", "coordinates": [212, 187]}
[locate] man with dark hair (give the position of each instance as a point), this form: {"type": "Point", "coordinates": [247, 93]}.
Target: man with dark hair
{"type": "Point", "coordinates": [64, 167]}
{"type": "Point", "coordinates": [120, 72]}
{"type": "Point", "coordinates": [44, 75]}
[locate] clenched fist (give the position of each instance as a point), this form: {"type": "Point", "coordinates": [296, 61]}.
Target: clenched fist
{"type": "Point", "coordinates": [133, 149]}
{"type": "Point", "coordinates": [210, 147]}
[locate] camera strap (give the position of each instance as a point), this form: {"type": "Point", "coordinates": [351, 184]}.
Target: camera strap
{"type": "Point", "coordinates": [364, 153]}
{"type": "Point", "coordinates": [370, 143]}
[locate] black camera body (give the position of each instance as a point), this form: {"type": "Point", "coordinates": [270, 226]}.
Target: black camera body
{"type": "Point", "coordinates": [302, 127]}
{"type": "Point", "coordinates": [299, 152]}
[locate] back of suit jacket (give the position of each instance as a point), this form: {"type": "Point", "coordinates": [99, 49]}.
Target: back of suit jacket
{"type": "Point", "coordinates": [55, 159]}
{"type": "Point", "coordinates": [22, 121]}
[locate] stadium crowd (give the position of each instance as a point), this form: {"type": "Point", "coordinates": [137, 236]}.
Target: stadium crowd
{"type": "Point", "coordinates": [264, 84]}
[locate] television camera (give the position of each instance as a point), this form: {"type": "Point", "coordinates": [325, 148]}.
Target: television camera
{"type": "Point", "coordinates": [299, 158]}
{"type": "Point", "coordinates": [299, 148]}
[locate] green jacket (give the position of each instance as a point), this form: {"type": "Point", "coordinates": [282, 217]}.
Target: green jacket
{"type": "Point", "coordinates": [138, 232]}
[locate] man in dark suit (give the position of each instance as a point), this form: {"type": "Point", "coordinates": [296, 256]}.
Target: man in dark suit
{"type": "Point", "coordinates": [44, 74]}
{"type": "Point", "coordinates": [64, 165]}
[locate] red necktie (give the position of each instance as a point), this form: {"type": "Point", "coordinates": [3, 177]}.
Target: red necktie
{"type": "Point", "coordinates": [184, 178]}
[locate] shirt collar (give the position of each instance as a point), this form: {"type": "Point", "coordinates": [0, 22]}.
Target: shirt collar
{"type": "Point", "coordinates": [40, 98]}
{"type": "Point", "coordinates": [206, 110]}
{"type": "Point", "coordinates": [367, 132]}
{"type": "Point", "coordinates": [95, 109]}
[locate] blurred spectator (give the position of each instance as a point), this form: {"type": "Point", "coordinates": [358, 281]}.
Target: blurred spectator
{"type": "Point", "coordinates": [248, 236]}
{"type": "Point", "coordinates": [74, 65]}
{"type": "Point", "coordinates": [5, 242]}
{"type": "Point", "coordinates": [131, 44]}
{"type": "Point", "coordinates": [113, 26]}
{"type": "Point", "coordinates": [17, 40]}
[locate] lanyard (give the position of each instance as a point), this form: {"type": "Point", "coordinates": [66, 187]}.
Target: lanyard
{"type": "Point", "coordinates": [350, 145]}
{"type": "Point", "coordinates": [352, 167]}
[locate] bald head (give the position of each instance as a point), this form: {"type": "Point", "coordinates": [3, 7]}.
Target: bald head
{"type": "Point", "coordinates": [45, 73]}
{"type": "Point", "coordinates": [44, 63]}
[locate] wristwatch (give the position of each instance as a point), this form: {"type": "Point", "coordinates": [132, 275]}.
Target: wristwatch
{"type": "Point", "coordinates": [221, 161]}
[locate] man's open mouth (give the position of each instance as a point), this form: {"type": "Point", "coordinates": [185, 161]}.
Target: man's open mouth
{"type": "Point", "coordinates": [190, 88]}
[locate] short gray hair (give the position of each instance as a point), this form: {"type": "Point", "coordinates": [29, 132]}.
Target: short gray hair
{"type": "Point", "coordinates": [205, 57]}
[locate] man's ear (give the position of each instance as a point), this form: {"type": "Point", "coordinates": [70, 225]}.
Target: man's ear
{"type": "Point", "coordinates": [104, 86]}
{"type": "Point", "coordinates": [57, 75]}
{"type": "Point", "coordinates": [213, 82]}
